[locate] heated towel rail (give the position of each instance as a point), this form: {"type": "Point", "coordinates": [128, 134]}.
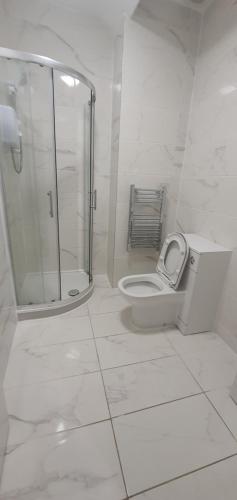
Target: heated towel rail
{"type": "Point", "coordinates": [146, 213]}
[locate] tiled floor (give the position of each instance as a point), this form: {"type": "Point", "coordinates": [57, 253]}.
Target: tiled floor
{"type": "Point", "coordinates": [100, 411]}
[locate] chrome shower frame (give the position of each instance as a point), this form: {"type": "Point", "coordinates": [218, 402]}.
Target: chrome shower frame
{"type": "Point", "coordinates": [59, 307]}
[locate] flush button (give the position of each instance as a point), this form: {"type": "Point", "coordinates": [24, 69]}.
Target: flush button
{"type": "Point", "coordinates": [192, 260]}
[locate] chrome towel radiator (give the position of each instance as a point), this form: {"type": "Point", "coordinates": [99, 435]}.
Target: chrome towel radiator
{"type": "Point", "coordinates": [146, 212]}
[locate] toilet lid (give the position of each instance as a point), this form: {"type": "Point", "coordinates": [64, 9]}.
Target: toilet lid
{"type": "Point", "coordinates": [173, 257]}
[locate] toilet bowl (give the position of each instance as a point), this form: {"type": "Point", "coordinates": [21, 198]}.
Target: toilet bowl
{"type": "Point", "coordinates": [155, 298]}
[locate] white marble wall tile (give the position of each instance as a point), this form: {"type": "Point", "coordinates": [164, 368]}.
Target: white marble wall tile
{"type": "Point", "coordinates": [154, 113]}
{"type": "Point", "coordinates": [207, 200]}
{"type": "Point", "coordinates": [115, 137]}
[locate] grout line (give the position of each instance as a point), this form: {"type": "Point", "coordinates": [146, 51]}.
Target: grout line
{"type": "Point", "coordinates": [186, 474]}
{"type": "Point", "coordinates": [7, 388]}
{"type": "Point", "coordinates": [112, 427]}
{"type": "Point", "coordinates": [157, 405]}
{"type": "Point", "coordinates": [185, 364]}
{"type": "Point", "coordinates": [49, 434]}
{"type": "Point", "coordinates": [28, 344]}
{"type": "Point", "coordinates": [204, 392]}
{"type": "Point", "coordinates": [138, 362]}
{"type": "Point", "coordinates": [94, 337]}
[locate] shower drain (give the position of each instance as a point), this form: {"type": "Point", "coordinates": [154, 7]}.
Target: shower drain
{"type": "Point", "coordinates": [73, 292]}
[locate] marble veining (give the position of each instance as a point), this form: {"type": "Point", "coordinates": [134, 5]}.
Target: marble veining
{"type": "Point", "coordinates": [131, 388]}
{"type": "Point", "coordinates": [190, 425]}
{"type": "Point", "coordinates": [63, 397]}
{"type": "Point", "coordinates": [153, 117]}
{"type": "Point", "coordinates": [32, 364]}
{"type": "Point", "coordinates": [207, 204]}
{"type": "Point", "coordinates": [129, 348]}
{"type": "Point", "coordinates": [80, 462]}
{"type": "Point", "coordinates": [54, 407]}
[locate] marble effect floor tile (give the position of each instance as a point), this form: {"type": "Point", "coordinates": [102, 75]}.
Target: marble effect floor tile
{"type": "Point", "coordinates": [78, 464]}
{"type": "Point", "coordinates": [216, 482]}
{"type": "Point", "coordinates": [76, 312]}
{"type": "Point", "coordinates": [164, 442]}
{"type": "Point", "coordinates": [125, 349]}
{"type": "Point", "coordinates": [133, 387]}
{"type": "Point", "coordinates": [56, 406]}
{"type": "Point", "coordinates": [49, 331]}
{"type": "Point", "coordinates": [110, 324]}
{"type": "Point", "coordinates": [226, 407]}
{"type": "Point", "coordinates": [209, 358]}
{"type": "Point", "coordinates": [106, 300]}
{"type": "Point", "coordinates": [101, 281]}
{"type": "Point", "coordinates": [37, 364]}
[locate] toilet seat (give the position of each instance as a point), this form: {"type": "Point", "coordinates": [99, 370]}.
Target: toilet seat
{"type": "Point", "coordinates": [173, 258]}
{"type": "Point", "coordinates": [169, 270]}
{"type": "Point", "coordinates": [142, 286]}
{"type": "Point", "coordinates": [154, 298]}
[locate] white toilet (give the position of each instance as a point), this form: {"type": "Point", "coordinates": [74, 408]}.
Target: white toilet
{"type": "Point", "coordinates": [160, 299]}
{"type": "Point", "coordinates": [154, 297]}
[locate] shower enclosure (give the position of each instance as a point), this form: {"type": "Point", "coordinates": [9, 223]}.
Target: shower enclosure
{"type": "Point", "coordinates": [47, 166]}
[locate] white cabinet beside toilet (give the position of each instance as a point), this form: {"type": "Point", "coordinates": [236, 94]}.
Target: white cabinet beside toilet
{"type": "Point", "coordinates": [202, 281]}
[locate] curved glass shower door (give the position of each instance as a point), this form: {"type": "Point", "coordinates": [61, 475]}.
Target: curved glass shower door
{"type": "Point", "coordinates": [29, 179]}
{"type": "Point", "coordinates": [72, 100]}
{"type": "Point", "coordinates": [46, 165]}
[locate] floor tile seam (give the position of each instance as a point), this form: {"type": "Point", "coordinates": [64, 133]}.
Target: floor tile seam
{"type": "Point", "coordinates": [204, 392]}
{"type": "Point", "coordinates": [43, 383]}
{"type": "Point", "coordinates": [220, 416]}
{"type": "Point", "coordinates": [132, 332]}
{"type": "Point", "coordinates": [114, 335]}
{"type": "Point", "coordinates": [138, 362]}
{"type": "Point", "coordinates": [112, 427]}
{"type": "Point", "coordinates": [181, 476]}
{"type": "Point", "coordinates": [99, 370]}
{"type": "Point", "coordinates": [146, 361]}
{"type": "Point", "coordinates": [56, 317]}
{"type": "Point", "coordinates": [42, 346]}
{"type": "Point", "coordinates": [157, 405]}
{"type": "Point", "coordinates": [53, 433]}
{"type": "Point", "coordinates": [186, 366]}
{"type": "Point", "coordinates": [32, 384]}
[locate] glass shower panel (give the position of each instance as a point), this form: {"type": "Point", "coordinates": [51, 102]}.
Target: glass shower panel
{"type": "Point", "coordinates": [72, 125]}
{"type": "Point", "coordinates": [42, 109]}
{"type": "Point", "coordinates": [16, 170]}
{"type": "Point", "coordinates": [25, 110]}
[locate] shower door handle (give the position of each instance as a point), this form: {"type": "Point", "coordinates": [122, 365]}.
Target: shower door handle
{"type": "Point", "coordinates": [94, 199]}
{"type": "Point", "coordinates": [50, 195]}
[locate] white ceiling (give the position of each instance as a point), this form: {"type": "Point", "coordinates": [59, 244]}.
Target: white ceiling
{"type": "Point", "coordinates": [109, 12]}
